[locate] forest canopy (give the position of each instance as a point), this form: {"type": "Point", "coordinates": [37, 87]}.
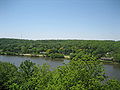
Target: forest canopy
{"type": "Point", "coordinates": [85, 73]}
{"type": "Point", "coordinates": [60, 48]}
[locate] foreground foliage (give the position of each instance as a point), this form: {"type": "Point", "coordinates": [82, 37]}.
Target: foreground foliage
{"type": "Point", "coordinates": [85, 73]}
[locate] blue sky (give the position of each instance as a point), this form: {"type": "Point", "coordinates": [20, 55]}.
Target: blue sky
{"type": "Point", "coordinates": [60, 19]}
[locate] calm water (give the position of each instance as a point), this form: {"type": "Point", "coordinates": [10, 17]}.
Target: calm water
{"type": "Point", "coordinates": [38, 60]}
{"type": "Point", "coordinates": [112, 70]}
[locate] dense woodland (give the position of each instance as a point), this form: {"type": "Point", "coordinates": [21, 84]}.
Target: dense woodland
{"type": "Point", "coordinates": [83, 72]}
{"type": "Point", "coordinates": [60, 48]}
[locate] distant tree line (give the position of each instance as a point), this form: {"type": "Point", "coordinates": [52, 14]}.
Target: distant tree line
{"type": "Point", "coordinates": [60, 48]}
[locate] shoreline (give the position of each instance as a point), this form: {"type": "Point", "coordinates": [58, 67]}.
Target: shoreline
{"type": "Point", "coordinates": [109, 62]}
{"type": "Point", "coordinates": [35, 55]}
{"type": "Point", "coordinates": [65, 56]}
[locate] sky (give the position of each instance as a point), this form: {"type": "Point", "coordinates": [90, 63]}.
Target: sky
{"type": "Point", "coordinates": [60, 19]}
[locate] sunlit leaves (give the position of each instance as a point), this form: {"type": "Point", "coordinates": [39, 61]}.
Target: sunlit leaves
{"type": "Point", "coordinates": [85, 73]}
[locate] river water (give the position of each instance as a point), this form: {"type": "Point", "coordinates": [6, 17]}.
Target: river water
{"type": "Point", "coordinates": [112, 70]}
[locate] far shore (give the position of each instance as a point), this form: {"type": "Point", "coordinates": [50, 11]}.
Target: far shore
{"type": "Point", "coordinates": [37, 55]}
{"type": "Point", "coordinates": [65, 56]}
{"type": "Point", "coordinates": [32, 55]}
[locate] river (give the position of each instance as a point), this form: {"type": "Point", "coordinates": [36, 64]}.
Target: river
{"type": "Point", "coordinates": [112, 70]}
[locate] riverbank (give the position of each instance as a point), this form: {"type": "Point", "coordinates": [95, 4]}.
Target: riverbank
{"type": "Point", "coordinates": [112, 70]}
{"type": "Point", "coordinates": [109, 62]}
{"type": "Point", "coordinates": [39, 55]}
{"type": "Point", "coordinates": [65, 56]}
{"type": "Point", "coordinates": [32, 55]}
{"type": "Point", "coordinates": [35, 55]}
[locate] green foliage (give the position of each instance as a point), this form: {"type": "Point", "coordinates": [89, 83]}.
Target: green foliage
{"type": "Point", "coordinates": [117, 57]}
{"type": "Point", "coordinates": [79, 74]}
{"type": "Point", "coordinates": [27, 68]}
{"type": "Point", "coordinates": [112, 85]}
{"type": "Point", "coordinates": [56, 55]}
{"type": "Point", "coordinates": [38, 78]}
{"type": "Point", "coordinates": [7, 71]}
{"type": "Point", "coordinates": [86, 73]}
{"type": "Point", "coordinates": [55, 48]}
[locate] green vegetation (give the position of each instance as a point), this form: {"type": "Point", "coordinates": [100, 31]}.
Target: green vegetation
{"type": "Point", "coordinates": [84, 73]}
{"type": "Point", "coordinates": [61, 48]}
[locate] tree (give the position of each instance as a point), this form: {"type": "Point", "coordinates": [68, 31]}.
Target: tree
{"type": "Point", "coordinates": [7, 71]}
{"type": "Point", "coordinates": [86, 73]}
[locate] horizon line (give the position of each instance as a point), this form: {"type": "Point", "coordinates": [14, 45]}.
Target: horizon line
{"type": "Point", "coordinates": [62, 39]}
